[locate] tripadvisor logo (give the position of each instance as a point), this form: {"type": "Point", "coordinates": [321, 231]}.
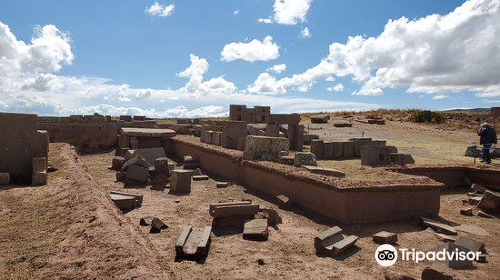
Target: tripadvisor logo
{"type": "Point", "coordinates": [387, 255]}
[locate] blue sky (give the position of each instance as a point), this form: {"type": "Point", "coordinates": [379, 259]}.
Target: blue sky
{"type": "Point", "coordinates": [119, 57]}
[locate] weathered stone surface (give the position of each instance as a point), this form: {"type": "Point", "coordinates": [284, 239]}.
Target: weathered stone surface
{"type": "Point", "coordinates": [256, 229]}
{"type": "Point", "coordinates": [137, 173]}
{"type": "Point", "coordinates": [360, 142]}
{"type": "Point", "coordinates": [200, 177]}
{"type": "Point", "coordinates": [470, 243]}
{"type": "Point", "coordinates": [117, 163]}
{"type": "Point", "coordinates": [348, 149]}
{"type": "Point", "coordinates": [456, 263]}
{"type": "Point", "coordinates": [288, 160]}
{"type": "Point", "coordinates": [342, 124]}
{"type": "Point", "coordinates": [438, 227]}
{"type": "Point", "coordinates": [151, 154]}
{"type": "Point", "coordinates": [180, 181]}
{"type": "Point", "coordinates": [147, 132]}
{"type": "Point", "coordinates": [193, 244]}
{"type": "Point", "coordinates": [222, 184]}
{"type": "Point", "coordinates": [136, 160]}
{"type": "Point", "coordinates": [284, 118]}
{"type": "Point", "coordinates": [317, 148]}
{"type": "Point", "coordinates": [230, 209]}
{"type": "Point", "coordinates": [466, 211]}
{"type": "Point", "coordinates": [161, 166]}
{"type": "Point", "coordinates": [284, 200]}
{"type": "Point", "coordinates": [385, 237]}
{"type": "Point", "coordinates": [485, 215]}
{"type": "Point", "coordinates": [376, 155]}
{"type": "Point", "coordinates": [4, 178]}
{"type": "Point", "coordinates": [191, 162]}
{"type": "Point", "coordinates": [320, 119]}
{"type": "Point", "coordinates": [490, 203]}
{"type": "Point", "coordinates": [232, 133]}
{"type": "Point", "coordinates": [126, 201]}
{"type": "Point", "coordinates": [295, 137]}
{"type": "Point", "coordinates": [304, 158]}
{"type": "Point", "coordinates": [324, 171]}
{"type": "Point", "coordinates": [332, 242]}
{"type": "Point", "coordinates": [274, 217]}
{"type": "Point", "coordinates": [39, 164]}
{"type": "Point", "coordinates": [402, 159]}
{"type": "Point", "coordinates": [474, 200]}
{"type": "Point", "coordinates": [157, 226]}
{"type": "Point", "coordinates": [264, 148]}
{"type": "Point", "coordinates": [272, 130]}
{"type": "Point", "coordinates": [146, 221]}
{"type": "Point", "coordinates": [308, 137]}
{"type": "Point", "coordinates": [39, 178]}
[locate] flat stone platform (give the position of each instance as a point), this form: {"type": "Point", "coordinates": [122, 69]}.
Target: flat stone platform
{"type": "Point", "coordinates": [147, 132]}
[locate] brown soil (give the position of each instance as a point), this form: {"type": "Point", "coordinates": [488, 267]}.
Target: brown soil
{"type": "Point", "coordinates": [71, 230]}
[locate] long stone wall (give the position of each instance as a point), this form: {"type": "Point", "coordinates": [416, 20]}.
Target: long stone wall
{"type": "Point", "coordinates": [325, 195]}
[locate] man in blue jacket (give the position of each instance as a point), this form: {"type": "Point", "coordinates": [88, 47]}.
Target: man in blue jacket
{"type": "Point", "coordinates": [488, 138]}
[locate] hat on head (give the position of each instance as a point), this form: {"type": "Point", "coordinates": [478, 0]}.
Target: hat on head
{"type": "Point", "coordinates": [485, 124]}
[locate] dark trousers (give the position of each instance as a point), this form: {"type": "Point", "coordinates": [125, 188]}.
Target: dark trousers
{"type": "Point", "coordinates": [486, 153]}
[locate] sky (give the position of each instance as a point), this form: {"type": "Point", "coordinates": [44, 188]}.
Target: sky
{"type": "Point", "coordinates": [192, 58]}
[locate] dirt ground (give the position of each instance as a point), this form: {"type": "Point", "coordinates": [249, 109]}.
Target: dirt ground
{"type": "Point", "coordinates": [69, 229]}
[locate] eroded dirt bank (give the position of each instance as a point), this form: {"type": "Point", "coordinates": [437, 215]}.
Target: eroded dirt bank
{"type": "Point", "coordinates": [68, 229]}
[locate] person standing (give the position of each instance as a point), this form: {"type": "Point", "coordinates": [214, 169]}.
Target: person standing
{"type": "Point", "coordinates": [488, 137]}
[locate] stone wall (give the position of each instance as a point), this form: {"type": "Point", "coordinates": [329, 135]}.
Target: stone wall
{"type": "Point", "coordinates": [20, 143]}
{"type": "Point", "coordinates": [495, 113]}
{"type": "Point", "coordinates": [85, 137]}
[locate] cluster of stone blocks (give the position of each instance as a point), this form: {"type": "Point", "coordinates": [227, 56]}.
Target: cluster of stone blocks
{"type": "Point", "coordinates": [264, 148]}
{"type": "Point", "coordinates": [342, 149]}
{"type": "Point", "coordinates": [258, 114]}
{"type": "Point", "coordinates": [140, 138]}
{"type": "Point", "coordinates": [189, 121]}
{"type": "Point", "coordinates": [332, 242]}
{"type": "Point", "coordinates": [22, 142]}
{"type": "Point", "coordinates": [383, 155]}
{"type": "Point", "coordinates": [96, 118]}
{"type": "Point", "coordinates": [210, 136]}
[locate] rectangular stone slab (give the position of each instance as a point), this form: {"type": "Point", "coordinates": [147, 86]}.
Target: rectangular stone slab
{"type": "Point", "coordinates": [344, 244]}
{"type": "Point", "coordinates": [137, 173]}
{"type": "Point", "coordinates": [256, 229]}
{"type": "Point", "coordinates": [234, 210]}
{"type": "Point", "coordinates": [147, 132]}
{"type": "Point", "coordinates": [439, 227]}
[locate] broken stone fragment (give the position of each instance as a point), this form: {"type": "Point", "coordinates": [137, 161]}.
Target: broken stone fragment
{"type": "Point", "coordinates": [136, 160]}
{"type": "Point", "coordinates": [332, 242]}
{"type": "Point", "coordinates": [157, 225]}
{"type": "Point", "coordinates": [231, 209]}
{"type": "Point", "coordinates": [274, 217]}
{"type": "Point", "coordinates": [288, 160]}
{"type": "Point", "coordinates": [256, 229]}
{"type": "Point", "coordinates": [436, 273]}
{"type": "Point", "coordinates": [146, 221]}
{"type": "Point", "coordinates": [485, 215]}
{"type": "Point", "coordinates": [222, 184]}
{"type": "Point", "coordinates": [438, 226]}
{"type": "Point", "coordinates": [200, 177]}
{"type": "Point", "coordinates": [193, 244]}
{"type": "Point", "coordinates": [304, 158]}
{"type": "Point", "coordinates": [284, 201]}
{"type": "Point", "coordinates": [490, 202]}
{"type": "Point", "coordinates": [471, 244]}
{"type": "Point", "coordinates": [197, 171]}
{"type": "Point", "coordinates": [466, 211]}
{"type": "Point", "coordinates": [117, 163]}
{"type": "Point", "coordinates": [137, 173]}
{"type": "Point", "coordinates": [474, 200]}
{"type": "Point", "coordinates": [180, 181]}
{"type": "Point", "coordinates": [161, 166]}
{"type": "Point", "coordinates": [385, 237]}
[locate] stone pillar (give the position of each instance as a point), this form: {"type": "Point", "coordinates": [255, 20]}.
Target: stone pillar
{"type": "Point", "coordinates": [296, 136]}
{"type": "Point", "coordinates": [180, 181]}
{"type": "Point", "coordinates": [272, 130]}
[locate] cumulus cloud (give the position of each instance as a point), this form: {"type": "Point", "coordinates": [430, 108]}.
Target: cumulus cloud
{"type": "Point", "coordinates": [337, 87]}
{"type": "Point", "coordinates": [252, 51]}
{"type": "Point", "coordinates": [290, 12]}
{"type": "Point", "coordinates": [278, 68]}
{"type": "Point", "coordinates": [29, 83]}
{"type": "Point", "coordinates": [437, 53]}
{"type": "Point", "coordinates": [158, 10]}
{"type": "Point", "coordinates": [236, 12]}
{"type": "Point", "coordinates": [305, 33]}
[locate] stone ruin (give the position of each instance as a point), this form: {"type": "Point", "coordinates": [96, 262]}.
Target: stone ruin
{"type": "Point", "coordinates": [495, 114]}
{"type": "Point", "coordinates": [24, 149]}
{"type": "Point", "coordinates": [258, 114]}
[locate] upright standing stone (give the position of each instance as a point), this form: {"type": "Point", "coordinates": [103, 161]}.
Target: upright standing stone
{"type": "Point", "coordinates": [39, 176]}
{"type": "Point", "coordinates": [180, 181]}
{"type": "Point", "coordinates": [317, 148]}
{"type": "Point", "coordinates": [296, 136]}
{"type": "Point", "coordinates": [233, 133]}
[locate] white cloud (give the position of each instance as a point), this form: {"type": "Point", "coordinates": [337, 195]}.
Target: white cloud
{"type": "Point", "coordinates": [438, 53]}
{"type": "Point", "coordinates": [158, 10]}
{"type": "Point", "coordinates": [236, 12]}
{"type": "Point", "coordinates": [278, 68]}
{"type": "Point", "coordinates": [266, 84]}
{"type": "Point", "coordinates": [330, 78]}
{"type": "Point", "coordinates": [440, 96]}
{"type": "Point", "coordinates": [290, 11]}
{"type": "Point", "coordinates": [252, 51]}
{"type": "Point", "coordinates": [265, 20]}
{"type": "Point", "coordinates": [337, 87]}
{"type": "Point", "coordinates": [29, 83]}
{"type": "Point", "coordinates": [305, 33]}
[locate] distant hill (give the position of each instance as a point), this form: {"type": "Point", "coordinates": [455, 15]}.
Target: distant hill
{"type": "Point", "coordinates": [474, 110]}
